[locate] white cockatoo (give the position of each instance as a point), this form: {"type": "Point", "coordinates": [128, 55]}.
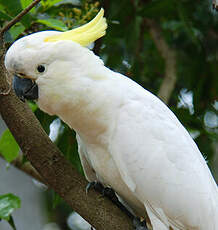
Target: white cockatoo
{"type": "Point", "coordinates": [128, 138]}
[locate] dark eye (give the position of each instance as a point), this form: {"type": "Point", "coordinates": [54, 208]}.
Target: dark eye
{"type": "Point", "coordinates": [41, 68]}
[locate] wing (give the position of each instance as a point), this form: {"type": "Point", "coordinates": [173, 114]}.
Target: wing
{"type": "Point", "coordinates": [88, 170]}
{"type": "Point", "coordinates": [161, 164]}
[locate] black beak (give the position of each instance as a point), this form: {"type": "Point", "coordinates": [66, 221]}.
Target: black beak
{"type": "Point", "coordinates": [25, 88]}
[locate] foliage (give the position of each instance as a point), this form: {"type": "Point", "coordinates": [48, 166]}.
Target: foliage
{"type": "Point", "coordinates": [189, 27]}
{"type": "Point", "coordinates": [8, 146]}
{"type": "Point", "coordinates": [8, 203]}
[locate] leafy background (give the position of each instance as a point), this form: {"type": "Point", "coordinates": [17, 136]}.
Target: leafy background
{"type": "Point", "coordinates": [189, 28]}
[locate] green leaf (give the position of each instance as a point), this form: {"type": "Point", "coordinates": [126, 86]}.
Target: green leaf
{"type": "Point", "coordinates": [25, 3]}
{"type": "Point", "coordinates": [7, 37]}
{"type": "Point", "coordinates": [53, 23]}
{"type": "Point", "coordinates": [48, 4]}
{"type": "Point", "coordinates": [13, 7]}
{"type": "Point", "coordinates": [8, 203]}
{"type": "Point", "coordinates": [2, 8]}
{"type": "Point", "coordinates": [8, 146]}
{"type": "Point", "coordinates": [4, 16]}
{"type": "Point", "coordinates": [53, 2]}
{"type": "Point", "coordinates": [16, 30]}
{"type": "Point", "coordinates": [72, 2]}
{"type": "Point", "coordinates": [33, 106]}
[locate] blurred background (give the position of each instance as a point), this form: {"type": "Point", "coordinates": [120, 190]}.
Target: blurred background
{"type": "Point", "coordinates": [169, 47]}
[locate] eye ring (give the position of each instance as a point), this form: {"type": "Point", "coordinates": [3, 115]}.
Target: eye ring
{"type": "Point", "coordinates": [41, 68]}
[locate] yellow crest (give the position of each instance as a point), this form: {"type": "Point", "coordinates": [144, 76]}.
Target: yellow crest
{"type": "Point", "coordinates": [86, 34]}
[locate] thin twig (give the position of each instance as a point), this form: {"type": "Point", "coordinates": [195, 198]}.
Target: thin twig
{"type": "Point", "coordinates": [18, 17]}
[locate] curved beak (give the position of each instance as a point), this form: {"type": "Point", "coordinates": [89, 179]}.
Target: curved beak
{"type": "Point", "coordinates": [25, 88]}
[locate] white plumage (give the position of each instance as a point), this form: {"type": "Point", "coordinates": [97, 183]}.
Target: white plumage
{"type": "Point", "coordinates": [128, 139]}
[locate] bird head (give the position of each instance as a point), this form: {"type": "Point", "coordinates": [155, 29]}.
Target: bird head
{"type": "Point", "coordinates": [48, 54]}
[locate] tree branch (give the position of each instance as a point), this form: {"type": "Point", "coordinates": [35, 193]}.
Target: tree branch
{"type": "Point", "coordinates": [51, 164]}
{"type": "Point", "coordinates": [169, 56]}
{"type": "Point", "coordinates": [18, 17]}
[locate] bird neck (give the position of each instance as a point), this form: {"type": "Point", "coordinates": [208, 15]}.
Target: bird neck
{"type": "Point", "coordinates": [85, 103]}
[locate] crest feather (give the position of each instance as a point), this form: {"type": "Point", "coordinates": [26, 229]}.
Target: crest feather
{"type": "Point", "coordinates": [86, 34]}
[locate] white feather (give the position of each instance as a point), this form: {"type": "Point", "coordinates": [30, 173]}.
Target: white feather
{"type": "Point", "coordinates": [128, 139]}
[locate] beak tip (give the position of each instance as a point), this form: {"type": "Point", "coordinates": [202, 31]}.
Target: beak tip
{"type": "Point", "coordinates": [25, 88]}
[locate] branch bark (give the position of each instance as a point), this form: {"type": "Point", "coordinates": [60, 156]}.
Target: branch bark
{"type": "Point", "coordinates": [169, 55]}
{"type": "Point", "coordinates": [51, 164]}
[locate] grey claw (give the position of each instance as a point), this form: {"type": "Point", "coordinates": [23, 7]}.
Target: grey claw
{"type": "Point", "coordinates": [96, 185]}
{"type": "Point", "coordinates": [89, 186]}
{"type": "Point", "coordinates": [109, 193]}
{"type": "Point", "coordinates": [138, 224]}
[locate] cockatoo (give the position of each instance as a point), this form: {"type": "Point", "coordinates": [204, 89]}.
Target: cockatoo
{"type": "Point", "coordinates": [128, 139]}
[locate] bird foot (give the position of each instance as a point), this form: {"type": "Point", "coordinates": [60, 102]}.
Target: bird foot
{"type": "Point", "coordinates": [105, 191]}
{"type": "Point", "coordinates": [95, 185]}
{"type": "Point", "coordinates": [110, 194]}
{"type": "Point", "coordinates": [138, 224]}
